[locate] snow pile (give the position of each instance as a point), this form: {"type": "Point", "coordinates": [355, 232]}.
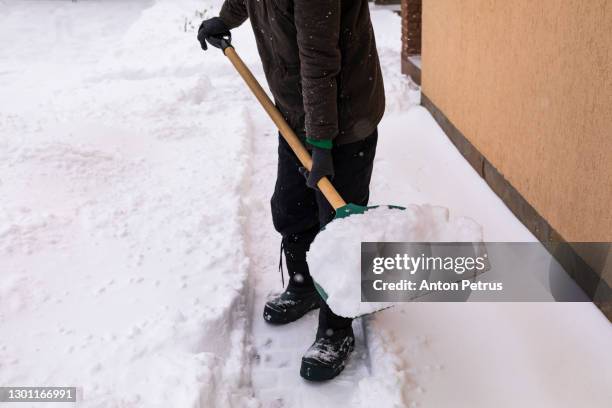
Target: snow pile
{"type": "Point", "coordinates": [335, 255]}
{"type": "Point", "coordinates": [122, 259]}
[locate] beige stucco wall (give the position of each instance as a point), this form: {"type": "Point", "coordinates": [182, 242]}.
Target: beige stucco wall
{"type": "Point", "coordinates": [529, 83]}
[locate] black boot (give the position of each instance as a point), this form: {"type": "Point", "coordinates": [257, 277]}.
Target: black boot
{"type": "Point", "coordinates": [328, 355]}
{"type": "Point", "coordinates": [300, 297]}
{"type": "Point", "coordinates": [290, 306]}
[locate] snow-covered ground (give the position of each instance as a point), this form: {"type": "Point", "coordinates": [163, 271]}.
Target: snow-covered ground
{"type": "Point", "coordinates": [136, 245]}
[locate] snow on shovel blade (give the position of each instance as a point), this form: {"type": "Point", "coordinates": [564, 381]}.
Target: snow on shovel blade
{"type": "Point", "coordinates": [336, 255]}
{"type": "Point", "coordinates": [344, 212]}
{"type": "Point", "coordinates": [347, 211]}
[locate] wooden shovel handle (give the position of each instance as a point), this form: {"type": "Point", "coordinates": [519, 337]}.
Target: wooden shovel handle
{"type": "Point", "coordinates": [325, 186]}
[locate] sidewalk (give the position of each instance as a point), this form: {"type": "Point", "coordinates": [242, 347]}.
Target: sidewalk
{"type": "Point", "coordinates": [481, 354]}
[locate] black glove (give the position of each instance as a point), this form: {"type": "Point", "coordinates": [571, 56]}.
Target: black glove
{"type": "Point", "coordinates": [322, 165]}
{"type": "Point", "coordinates": [212, 30]}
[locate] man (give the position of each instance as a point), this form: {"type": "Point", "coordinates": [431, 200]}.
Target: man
{"type": "Point", "coordinates": [320, 60]}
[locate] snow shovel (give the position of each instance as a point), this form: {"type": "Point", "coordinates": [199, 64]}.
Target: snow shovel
{"type": "Point", "coordinates": [341, 207]}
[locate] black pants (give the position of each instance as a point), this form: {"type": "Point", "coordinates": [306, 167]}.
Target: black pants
{"type": "Point", "coordinates": [299, 212]}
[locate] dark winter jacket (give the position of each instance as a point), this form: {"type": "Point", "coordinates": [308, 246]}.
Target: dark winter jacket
{"type": "Point", "coordinates": [320, 60]}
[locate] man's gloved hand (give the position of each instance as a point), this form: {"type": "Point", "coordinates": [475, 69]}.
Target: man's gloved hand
{"type": "Point", "coordinates": [213, 27]}
{"type": "Point", "coordinates": [322, 165]}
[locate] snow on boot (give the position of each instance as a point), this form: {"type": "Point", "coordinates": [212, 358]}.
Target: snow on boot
{"type": "Point", "coordinates": [301, 295]}
{"type": "Point", "coordinates": [290, 305]}
{"type": "Point", "coordinates": [328, 355]}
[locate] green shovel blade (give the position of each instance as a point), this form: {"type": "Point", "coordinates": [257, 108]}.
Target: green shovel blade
{"type": "Point", "coordinates": [352, 209]}
{"type": "Point", "coordinates": [347, 211]}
